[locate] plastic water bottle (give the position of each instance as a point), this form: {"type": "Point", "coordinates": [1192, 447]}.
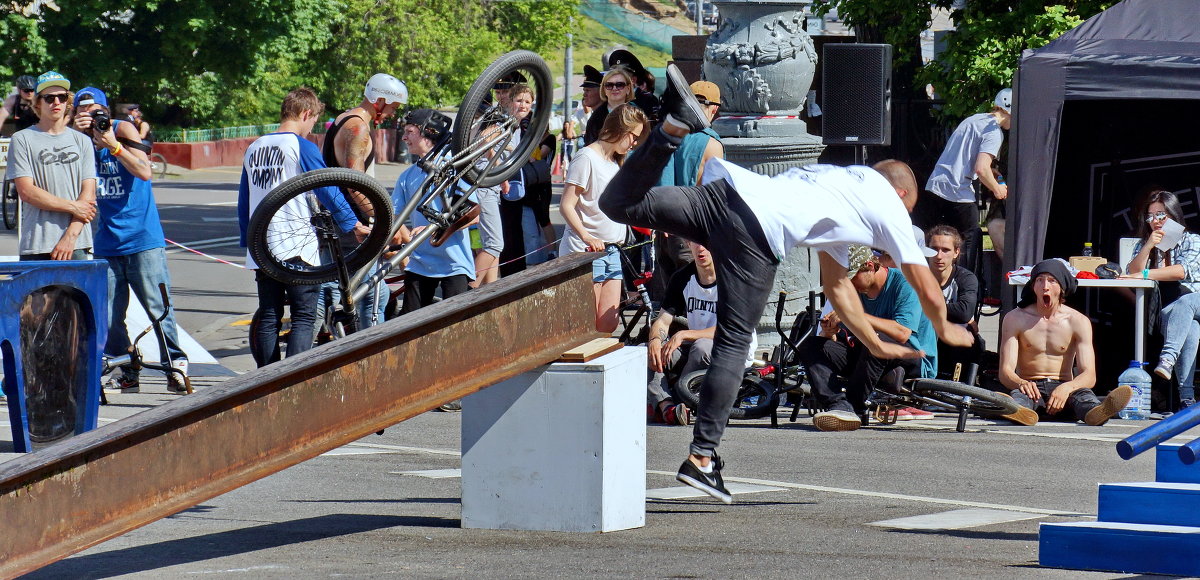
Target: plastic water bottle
{"type": "Point", "coordinates": [1139, 404]}
{"type": "Point", "coordinates": [1087, 249]}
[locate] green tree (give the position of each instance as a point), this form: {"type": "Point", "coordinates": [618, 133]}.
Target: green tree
{"type": "Point", "coordinates": [437, 47]}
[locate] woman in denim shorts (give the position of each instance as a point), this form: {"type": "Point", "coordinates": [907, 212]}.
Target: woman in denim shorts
{"type": "Point", "coordinates": [588, 228]}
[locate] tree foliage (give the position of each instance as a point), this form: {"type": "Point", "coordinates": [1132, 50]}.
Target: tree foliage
{"type": "Point", "coordinates": [982, 54]}
{"type": "Point", "coordinates": [213, 63]}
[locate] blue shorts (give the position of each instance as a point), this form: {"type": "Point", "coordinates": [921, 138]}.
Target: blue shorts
{"type": "Point", "coordinates": [608, 267]}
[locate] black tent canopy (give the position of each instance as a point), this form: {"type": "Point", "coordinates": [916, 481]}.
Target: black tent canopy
{"type": "Point", "coordinates": [1104, 111]}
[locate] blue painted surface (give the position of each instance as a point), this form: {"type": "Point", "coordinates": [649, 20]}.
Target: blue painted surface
{"type": "Point", "coordinates": [1169, 467]}
{"type": "Point", "coordinates": [87, 281]}
{"type": "Point", "coordinates": [1119, 547]}
{"type": "Point", "coordinates": [1176, 504]}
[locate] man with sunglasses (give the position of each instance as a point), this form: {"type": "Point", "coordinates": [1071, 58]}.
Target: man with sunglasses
{"type": "Point", "coordinates": [19, 105]}
{"type": "Point", "coordinates": [55, 174]}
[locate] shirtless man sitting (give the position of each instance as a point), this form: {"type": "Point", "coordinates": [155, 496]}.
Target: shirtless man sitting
{"type": "Point", "coordinates": [1043, 345]}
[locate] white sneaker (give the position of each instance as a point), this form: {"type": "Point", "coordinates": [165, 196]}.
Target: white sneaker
{"type": "Point", "coordinates": [836, 421]}
{"type": "Point", "coordinates": [175, 383]}
{"type": "Point", "coordinates": [1164, 368]}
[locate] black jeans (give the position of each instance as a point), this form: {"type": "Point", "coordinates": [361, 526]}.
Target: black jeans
{"type": "Point", "coordinates": [272, 295]}
{"type": "Point", "coordinates": [419, 290]}
{"type": "Point", "coordinates": [824, 359]}
{"type": "Point", "coordinates": [716, 217]}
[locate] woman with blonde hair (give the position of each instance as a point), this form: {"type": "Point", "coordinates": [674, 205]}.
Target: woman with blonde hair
{"type": "Point", "coordinates": [616, 89]}
{"type": "Point", "coordinates": [588, 228]}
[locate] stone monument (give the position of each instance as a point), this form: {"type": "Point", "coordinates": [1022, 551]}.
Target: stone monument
{"type": "Point", "coordinates": [764, 61]}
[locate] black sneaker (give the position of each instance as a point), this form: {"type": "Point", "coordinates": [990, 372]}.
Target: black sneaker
{"type": "Point", "coordinates": [679, 102]}
{"type": "Point", "coordinates": [710, 483]}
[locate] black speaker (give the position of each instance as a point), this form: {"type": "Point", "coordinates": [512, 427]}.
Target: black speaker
{"type": "Point", "coordinates": [856, 106]}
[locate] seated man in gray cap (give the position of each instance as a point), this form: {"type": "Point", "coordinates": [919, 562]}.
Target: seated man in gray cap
{"type": "Point", "coordinates": [1046, 354]}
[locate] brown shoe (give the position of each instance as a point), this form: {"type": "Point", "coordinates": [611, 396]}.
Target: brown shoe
{"type": "Point", "coordinates": [467, 214]}
{"type": "Point", "coordinates": [1023, 416]}
{"type": "Point", "coordinates": [1110, 406]}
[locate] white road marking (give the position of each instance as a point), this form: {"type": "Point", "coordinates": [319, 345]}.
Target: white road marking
{"type": "Point", "coordinates": [403, 448]}
{"type": "Point", "coordinates": [209, 243]}
{"type": "Point", "coordinates": [685, 492]}
{"type": "Point", "coordinates": [432, 473]}
{"type": "Point", "coordinates": [955, 519]}
{"type": "Point", "coordinates": [355, 451]}
{"type": "Point", "coordinates": [224, 203]}
{"type": "Point", "coordinates": [887, 495]}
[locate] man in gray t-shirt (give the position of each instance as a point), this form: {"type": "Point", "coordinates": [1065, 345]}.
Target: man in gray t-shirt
{"type": "Point", "coordinates": [55, 174]}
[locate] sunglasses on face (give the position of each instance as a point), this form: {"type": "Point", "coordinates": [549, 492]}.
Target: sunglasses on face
{"type": "Point", "coordinates": [706, 102]}
{"type": "Point", "coordinates": [54, 98]}
{"type": "Point", "coordinates": [26, 90]}
{"type": "Point", "coordinates": [1156, 216]}
{"type": "Point", "coordinates": [616, 86]}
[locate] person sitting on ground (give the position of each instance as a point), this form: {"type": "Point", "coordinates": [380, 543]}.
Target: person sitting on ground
{"type": "Point", "coordinates": [960, 287]}
{"type": "Point", "coordinates": [894, 312]}
{"type": "Point", "coordinates": [1046, 354]}
{"type": "Point", "coordinates": [692, 293]}
{"type": "Point", "coordinates": [1181, 317]}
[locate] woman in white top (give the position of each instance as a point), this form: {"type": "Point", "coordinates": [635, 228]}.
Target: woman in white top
{"type": "Point", "coordinates": [588, 228]}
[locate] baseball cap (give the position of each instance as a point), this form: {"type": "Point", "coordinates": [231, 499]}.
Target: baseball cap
{"type": "Point", "coordinates": [90, 96]}
{"type": "Point", "coordinates": [1004, 100]}
{"type": "Point", "coordinates": [859, 256]}
{"type": "Point", "coordinates": [707, 92]}
{"type": "Point", "coordinates": [52, 79]}
{"type": "Point", "coordinates": [591, 77]}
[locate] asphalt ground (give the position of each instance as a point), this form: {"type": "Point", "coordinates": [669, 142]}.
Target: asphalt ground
{"type": "Point", "coordinates": [809, 506]}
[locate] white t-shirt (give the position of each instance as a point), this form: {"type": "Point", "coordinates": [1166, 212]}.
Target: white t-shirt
{"type": "Point", "coordinates": [591, 172]}
{"type": "Point", "coordinates": [825, 207]}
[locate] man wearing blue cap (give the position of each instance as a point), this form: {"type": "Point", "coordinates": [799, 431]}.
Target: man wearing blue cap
{"type": "Point", "coordinates": [55, 175]}
{"type": "Point", "coordinates": [129, 235]}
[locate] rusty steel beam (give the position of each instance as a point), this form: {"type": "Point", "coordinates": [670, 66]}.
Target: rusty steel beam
{"type": "Point", "coordinates": [101, 484]}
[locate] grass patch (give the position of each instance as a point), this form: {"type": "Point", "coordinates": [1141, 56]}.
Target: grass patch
{"type": "Point", "coordinates": [592, 40]}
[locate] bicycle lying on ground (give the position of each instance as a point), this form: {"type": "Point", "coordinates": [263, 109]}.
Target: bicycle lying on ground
{"type": "Point", "coordinates": [762, 388]}
{"type": "Point", "coordinates": [133, 359]}
{"type": "Point", "coordinates": [485, 148]}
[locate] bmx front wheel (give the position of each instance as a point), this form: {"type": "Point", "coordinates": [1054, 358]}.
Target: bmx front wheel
{"type": "Point", "coordinates": [480, 120]}
{"type": "Point", "coordinates": [957, 395]}
{"type": "Point", "coordinates": [754, 398]}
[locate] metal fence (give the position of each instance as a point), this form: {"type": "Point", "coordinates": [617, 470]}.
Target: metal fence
{"type": "Point", "coordinates": [198, 135]}
{"type": "Point", "coordinates": [631, 25]}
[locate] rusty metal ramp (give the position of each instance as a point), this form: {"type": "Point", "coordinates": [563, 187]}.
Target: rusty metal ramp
{"type": "Point", "coordinates": [98, 485]}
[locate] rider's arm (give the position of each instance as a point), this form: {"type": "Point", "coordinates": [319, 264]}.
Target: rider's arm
{"type": "Point", "coordinates": [983, 170]}
{"type": "Point", "coordinates": [330, 197]}
{"type": "Point", "coordinates": [1085, 354]}
{"type": "Point", "coordinates": [4, 110]}
{"type": "Point", "coordinates": [929, 292]}
{"type": "Point", "coordinates": [889, 328]}
{"type": "Point", "coordinates": [133, 160]}
{"type": "Point", "coordinates": [356, 138]}
{"type": "Point", "coordinates": [143, 129]}
{"type": "Point", "coordinates": [714, 149]}
{"type": "Point", "coordinates": [566, 206]}
{"type": "Point", "coordinates": [243, 206]}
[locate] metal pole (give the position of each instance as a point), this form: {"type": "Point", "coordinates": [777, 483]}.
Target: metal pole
{"type": "Point", "coordinates": [699, 17]}
{"type": "Point", "coordinates": [568, 65]}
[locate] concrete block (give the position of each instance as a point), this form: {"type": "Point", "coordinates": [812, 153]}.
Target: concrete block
{"type": "Point", "coordinates": [560, 448]}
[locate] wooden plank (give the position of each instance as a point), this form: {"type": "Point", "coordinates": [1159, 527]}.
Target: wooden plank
{"type": "Point", "coordinates": [592, 349]}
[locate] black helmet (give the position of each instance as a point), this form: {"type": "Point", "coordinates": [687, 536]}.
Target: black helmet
{"type": "Point", "coordinates": [433, 125]}
{"type": "Point", "coordinates": [26, 83]}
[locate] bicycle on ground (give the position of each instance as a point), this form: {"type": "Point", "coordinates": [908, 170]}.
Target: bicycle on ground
{"type": "Point", "coordinates": [133, 359]}
{"type": "Point", "coordinates": [486, 147]}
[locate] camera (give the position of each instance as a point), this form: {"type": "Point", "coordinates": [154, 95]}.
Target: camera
{"type": "Point", "coordinates": [101, 121]}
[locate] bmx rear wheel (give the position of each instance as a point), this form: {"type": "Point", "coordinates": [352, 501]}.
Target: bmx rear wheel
{"type": "Point", "coordinates": [283, 225]}
{"type": "Point", "coordinates": [957, 395]}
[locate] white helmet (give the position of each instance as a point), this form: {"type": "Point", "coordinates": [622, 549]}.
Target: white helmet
{"type": "Point", "coordinates": [1004, 100]}
{"type": "Point", "coordinates": [386, 87]}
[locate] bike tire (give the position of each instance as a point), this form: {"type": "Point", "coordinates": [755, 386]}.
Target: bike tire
{"type": "Point", "coordinates": [275, 218]}
{"type": "Point", "coordinates": [470, 125]}
{"type": "Point", "coordinates": [755, 398]}
{"type": "Point", "coordinates": [10, 201]}
{"type": "Point", "coordinates": [983, 401]}
{"type": "Point", "coordinates": [158, 165]}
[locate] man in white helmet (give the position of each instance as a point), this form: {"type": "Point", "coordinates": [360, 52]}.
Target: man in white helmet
{"type": "Point", "coordinates": [967, 158]}
{"type": "Point", "coordinates": [348, 143]}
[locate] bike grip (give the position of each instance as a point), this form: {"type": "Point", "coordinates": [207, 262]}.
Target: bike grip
{"type": "Point", "coordinates": [779, 307]}
{"type": "Point", "coordinates": [162, 289]}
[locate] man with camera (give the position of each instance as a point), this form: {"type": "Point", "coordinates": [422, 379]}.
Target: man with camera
{"type": "Point", "coordinates": [55, 178]}
{"type": "Point", "coordinates": [129, 235]}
